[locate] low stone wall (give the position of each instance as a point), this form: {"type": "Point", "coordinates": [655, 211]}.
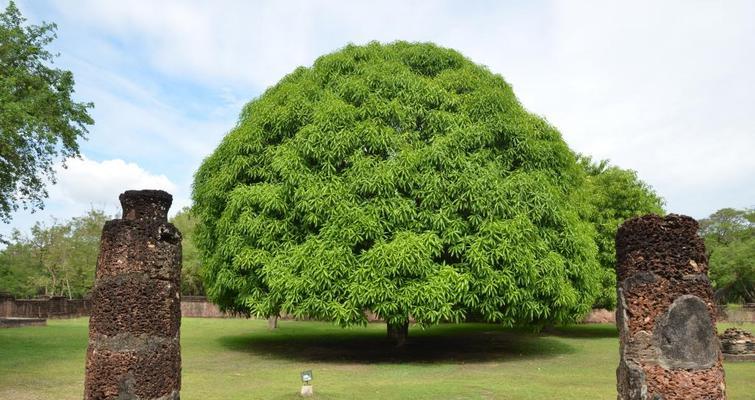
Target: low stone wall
{"type": "Point", "coordinates": [200, 307]}
{"type": "Point", "coordinates": [48, 307]}
{"type": "Point", "coordinates": [738, 315]}
{"type": "Point", "coordinates": [744, 314]}
{"type": "Point", "coordinates": [61, 307]}
{"type": "Point", "coordinates": [7, 305]}
{"type": "Point", "coordinates": [600, 316]}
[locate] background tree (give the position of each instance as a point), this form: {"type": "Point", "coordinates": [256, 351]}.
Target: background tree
{"type": "Point", "coordinates": [614, 195]}
{"type": "Point", "coordinates": [191, 270]}
{"type": "Point", "coordinates": [60, 258]}
{"type": "Point", "coordinates": [20, 272]}
{"type": "Point", "coordinates": [730, 241]}
{"type": "Point", "coordinates": [402, 179]}
{"type": "Point", "coordinates": [39, 122]}
{"type": "Point", "coordinates": [55, 260]}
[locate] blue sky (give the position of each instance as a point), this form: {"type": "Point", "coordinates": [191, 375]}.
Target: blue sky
{"type": "Point", "coordinates": [665, 89]}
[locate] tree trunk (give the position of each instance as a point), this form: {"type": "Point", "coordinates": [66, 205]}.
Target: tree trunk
{"type": "Point", "coordinates": [272, 322]}
{"type": "Point", "coordinates": [68, 286]}
{"type": "Point", "coordinates": [398, 332]}
{"type": "Point", "coordinates": [54, 282]}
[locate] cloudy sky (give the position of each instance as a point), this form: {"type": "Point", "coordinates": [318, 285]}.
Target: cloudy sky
{"type": "Point", "coordinates": [664, 88]}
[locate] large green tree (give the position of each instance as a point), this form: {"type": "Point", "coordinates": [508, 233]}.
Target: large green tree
{"type": "Point", "coordinates": [614, 195]}
{"type": "Point", "coordinates": [730, 241]}
{"type": "Point", "coordinates": [39, 122]}
{"type": "Point", "coordinates": [402, 179]}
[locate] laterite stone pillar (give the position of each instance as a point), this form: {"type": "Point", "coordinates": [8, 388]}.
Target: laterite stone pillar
{"type": "Point", "coordinates": [666, 313]}
{"type": "Point", "coordinates": [134, 349]}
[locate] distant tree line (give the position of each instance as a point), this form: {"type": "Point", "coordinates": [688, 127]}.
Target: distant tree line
{"type": "Point", "coordinates": [59, 259]}
{"type": "Point", "coordinates": [53, 260]}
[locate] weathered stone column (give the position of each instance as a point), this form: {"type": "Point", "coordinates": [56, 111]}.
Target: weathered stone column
{"type": "Point", "coordinates": [134, 350]}
{"type": "Point", "coordinates": [666, 313]}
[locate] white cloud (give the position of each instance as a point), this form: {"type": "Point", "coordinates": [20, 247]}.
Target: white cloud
{"type": "Point", "coordinates": [87, 182]}
{"type": "Point", "coordinates": [665, 88]}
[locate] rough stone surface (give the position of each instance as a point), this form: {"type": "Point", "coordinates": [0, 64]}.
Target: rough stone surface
{"type": "Point", "coordinates": [134, 303]}
{"type": "Point", "coordinates": [631, 381]}
{"type": "Point", "coordinates": [134, 347]}
{"type": "Point", "coordinates": [666, 315]}
{"type": "Point", "coordinates": [686, 336]}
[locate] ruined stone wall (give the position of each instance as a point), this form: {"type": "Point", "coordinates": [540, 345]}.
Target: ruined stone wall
{"type": "Point", "coordinates": [200, 307]}
{"type": "Point", "coordinates": [7, 305]}
{"type": "Point", "coordinates": [738, 315]}
{"type": "Point", "coordinates": [738, 345]}
{"type": "Point", "coordinates": [191, 306]}
{"type": "Point", "coordinates": [134, 349]}
{"type": "Point", "coordinates": [53, 307]}
{"type": "Point", "coordinates": [666, 313]}
{"type": "Point", "coordinates": [32, 308]}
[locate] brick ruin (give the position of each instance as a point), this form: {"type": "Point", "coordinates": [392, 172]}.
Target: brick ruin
{"type": "Point", "coordinates": [738, 345]}
{"type": "Point", "coordinates": [134, 349]}
{"type": "Point", "coordinates": [666, 313]}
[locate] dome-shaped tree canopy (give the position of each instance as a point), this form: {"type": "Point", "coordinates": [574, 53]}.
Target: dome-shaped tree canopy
{"type": "Point", "coordinates": [402, 179]}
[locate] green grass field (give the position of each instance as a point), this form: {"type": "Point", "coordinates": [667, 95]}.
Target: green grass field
{"type": "Point", "coordinates": [241, 359]}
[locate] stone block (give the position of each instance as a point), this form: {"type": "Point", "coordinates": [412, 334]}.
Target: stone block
{"type": "Point", "coordinates": [134, 347]}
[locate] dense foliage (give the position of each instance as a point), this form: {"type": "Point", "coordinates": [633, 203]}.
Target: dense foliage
{"type": "Point", "coordinates": [55, 260]}
{"type": "Point", "coordinates": [402, 179]}
{"type": "Point", "coordinates": [614, 195]}
{"type": "Point", "coordinates": [191, 269]}
{"type": "Point", "coordinates": [730, 241]}
{"type": "Point", "coordinates": [39, 122]}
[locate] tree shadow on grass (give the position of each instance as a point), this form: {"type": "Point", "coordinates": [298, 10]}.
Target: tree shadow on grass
{"type": "Point", "coordinates": [455, 343]}
{"type": "Point", "coordinates": [585, 331]}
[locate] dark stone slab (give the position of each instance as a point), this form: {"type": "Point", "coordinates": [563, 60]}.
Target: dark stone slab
{"type": "Point", "coordinates": [686, 335]}
{"type": "Point", "coordinates": [631, 381]}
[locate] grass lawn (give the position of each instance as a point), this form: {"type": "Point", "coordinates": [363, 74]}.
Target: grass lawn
{"type": "Point", "coordinates": [241, 359]}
